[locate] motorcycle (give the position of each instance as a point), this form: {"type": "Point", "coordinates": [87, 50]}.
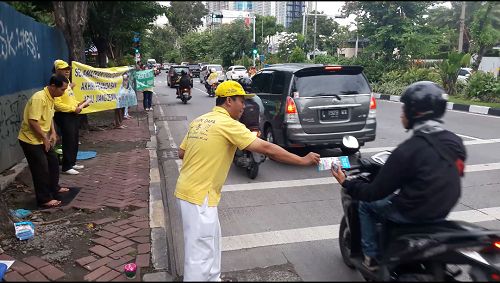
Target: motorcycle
{"type": "Point", "coordinates": [248, 159]}
{"type": "Point", "coordinates": [184, 95]}
{"type": "Point", "coordinates": [211, 92]}
{"type": "Point", "coordinates": [414, 252]}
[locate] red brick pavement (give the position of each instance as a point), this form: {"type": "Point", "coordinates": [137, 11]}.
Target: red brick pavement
{"type": "Point", "coordinates": [114, 178]}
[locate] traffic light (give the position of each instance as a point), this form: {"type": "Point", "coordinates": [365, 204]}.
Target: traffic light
{"type": "Point", "coordinates": [254, 49]}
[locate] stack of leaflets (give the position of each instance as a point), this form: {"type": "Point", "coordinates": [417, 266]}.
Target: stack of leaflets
{"type": "Point", "coordinates": [24, 230]}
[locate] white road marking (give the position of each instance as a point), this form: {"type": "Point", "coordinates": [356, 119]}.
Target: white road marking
{"type": "Point", "coordinates": [472, 142]}
{"type": "Point", "coordinates": [327, 180]}
{"type": "Point", "coordinates": [330, 232]}
{"type": "Point", "coordinates": [468, 137]}
{"type": "Point", "coordinates": [200, 90]}
{"type": "Point", "coordinates": [167, 129]}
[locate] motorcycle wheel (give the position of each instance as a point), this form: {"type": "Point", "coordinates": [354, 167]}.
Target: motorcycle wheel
{"type": "Point", "coordinates": [253, 171]}
{"type": "Point", "coordinates": [269, 135]}
{"type": "Point", "coordinates": [345, 243]}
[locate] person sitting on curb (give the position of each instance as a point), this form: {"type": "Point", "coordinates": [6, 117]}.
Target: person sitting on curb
{"type": "Point", "coordinates": [37, 136]}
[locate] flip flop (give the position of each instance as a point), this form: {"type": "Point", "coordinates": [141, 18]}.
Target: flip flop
{"type": "Point", "coordinates": [54, 204]}
{"type": "Point", "coordinates": [63, 190]}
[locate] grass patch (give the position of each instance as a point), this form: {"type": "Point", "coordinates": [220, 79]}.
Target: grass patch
{"type": "Point", "coordinates": [461, 100]}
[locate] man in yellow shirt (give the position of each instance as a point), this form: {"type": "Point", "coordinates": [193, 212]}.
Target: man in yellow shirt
{"type": "Point", "coordinates": [66, 117]}
{"type": "Point", "coordinates": [37, 136]}
{"type": "Point", "coordinates": [207, 152]}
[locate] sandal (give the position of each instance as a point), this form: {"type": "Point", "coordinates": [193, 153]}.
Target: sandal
{"type": "Point", "coordinates": [63, 190]}
{"type": "Point", "coordinates": [52, 203]}
{"type": "Point", "coordinates": [120, 127]}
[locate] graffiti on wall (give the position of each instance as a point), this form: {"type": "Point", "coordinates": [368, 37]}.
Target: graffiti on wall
{"type": "Point", "coordinates": [17, 41]}
{"type": "Point", "coordinates": [11, 117]}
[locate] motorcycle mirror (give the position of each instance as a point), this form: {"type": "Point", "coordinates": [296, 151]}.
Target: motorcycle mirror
{"type": "Point", "coordinates": [350, 145]}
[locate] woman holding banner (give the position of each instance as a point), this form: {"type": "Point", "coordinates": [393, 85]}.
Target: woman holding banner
{"type": "Point", "coordinates": [66, 117]}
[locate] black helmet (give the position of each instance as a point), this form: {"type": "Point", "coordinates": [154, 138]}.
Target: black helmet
{"type": "Point", "coordinates": [246, 83]}
{"type": "Point", "coordinates": [424, 100]}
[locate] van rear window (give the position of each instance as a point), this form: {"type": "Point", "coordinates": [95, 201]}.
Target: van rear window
{"type": "Point", "coordinates": [330, 84]}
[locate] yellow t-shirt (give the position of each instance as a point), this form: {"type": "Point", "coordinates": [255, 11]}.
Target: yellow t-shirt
{"type": "Point", "coordinates": [66, 102]}
{"type": "Point", "coordinates": [39, 107]}
{"type": "Point", "coordinates": [209, 147]}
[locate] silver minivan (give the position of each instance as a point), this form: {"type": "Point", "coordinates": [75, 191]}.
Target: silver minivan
{"type": "Point", "coordinates": [206, 69]}
{"type": "Point", "coordinates": [315, 105]}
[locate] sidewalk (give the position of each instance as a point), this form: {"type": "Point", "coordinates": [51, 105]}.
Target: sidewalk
{"type": "Point", "coordinates": [105, 226]}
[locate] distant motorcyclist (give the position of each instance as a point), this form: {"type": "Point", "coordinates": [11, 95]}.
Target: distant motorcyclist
{"type": "Point", "coordinates": [212, 78]}
{"type": "Point", "coordinates": [420, 182]}
{"type": "Point", "coordinates": [184, 83]}
{"type": "Point", "coordinates": [250, 116]}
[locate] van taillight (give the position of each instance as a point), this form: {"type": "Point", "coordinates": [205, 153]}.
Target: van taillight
{"type": "Point", "coordinates": [373, 103]}
{"type": "Point", "coordinates": [333, 68]}
{"type": "Point", "coordinates": [290, 106]}
{"type": "Point", "coordinates": [291, 115]}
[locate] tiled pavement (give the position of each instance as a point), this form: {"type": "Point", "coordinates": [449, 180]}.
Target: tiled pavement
{"type": "Point", "coordinates": [119, 180]}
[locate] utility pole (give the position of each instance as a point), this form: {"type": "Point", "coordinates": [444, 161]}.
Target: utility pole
{"type": "Point", "coordinates": [315, 20]}
{"type": "Point", "coordinates": [304, 19]}
{"type": "Point", "coordinates": [253, 38]}
{"type": "Point", "coordinates": [462, 28]}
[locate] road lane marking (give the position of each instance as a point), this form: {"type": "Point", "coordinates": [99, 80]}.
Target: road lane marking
{"type": "Point", "coordinates": [468, 137]}
{"type": "Point", "coordinates": [331, 232]}
{"type": "Point", "coordinates": [327, 180]}
{"type": "Point", "coordinates": [472, 142]}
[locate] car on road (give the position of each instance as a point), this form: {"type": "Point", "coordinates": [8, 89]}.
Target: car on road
{"type": "Point", "coordinates": [315, 105]}
{"type": "Point", "coordinates": [205, 69]}
{"type": "Point", "coordinates": [236, 72]}
{"type": "Point", "coordinates": [195, 70]}
{"type": "Point", "coordinates": [173, 74]}
{"type": "Point", "coordinates": [464, 74]}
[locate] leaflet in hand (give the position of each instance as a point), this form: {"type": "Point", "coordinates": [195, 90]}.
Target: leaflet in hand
{"type": "Point", "coordinates": [325, 163]}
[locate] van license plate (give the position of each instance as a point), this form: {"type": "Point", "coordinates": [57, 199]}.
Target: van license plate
{"type": "Point", "coordinates": [334, 114]}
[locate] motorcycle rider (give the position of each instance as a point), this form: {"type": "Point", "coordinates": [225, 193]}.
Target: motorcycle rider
{"type": "Point", "coordinates": [420, 181]}
{"type": "Point", "coordinates": [211, 79]}
{"type": "Point", "coordinates": [250, 116]}
{"type": "Point", "coordinates": [184, 82]}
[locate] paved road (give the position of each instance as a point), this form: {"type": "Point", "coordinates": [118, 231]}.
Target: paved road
{"type": "Point", "coordinates": [290, 215]}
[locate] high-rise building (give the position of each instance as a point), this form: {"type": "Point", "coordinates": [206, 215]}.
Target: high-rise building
{"type": "Point", "coordinates": [247, 6]}
{"type": "Point", "coordinates": [216, 6]}
{"type": "Point", "coordinates": [289, 11]}
{"type": "Point", "coordinates": [263, 8]}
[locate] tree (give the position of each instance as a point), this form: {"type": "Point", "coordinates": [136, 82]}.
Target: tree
{"type": "Point", "coordinates": [389, 25]}
{"type": "Point", "coordinates": [266, 26]}
{"type": "Point", "coordinates": [298, 55]}
{"type": "Point", "coordinates": [449, 70]}
{"type": "Point", "coordinates": [159, 43]}
{"type": "Point", "coordinates": [42, 12]}
{"type": "Point", "coordinates": [111, 25]}
{"type": "Point", "coordinates": [324, 26]}
{"type": "Point", "coordinates": [196, 46]}
{"type": "Point", "coordinates": [71, 18]}
{"type": "Point", "coordinates": [230, 40]}
{"type": "Point", "coordinates": [485, 30]}
{"type": "Point", "coordinates": [185, 16]}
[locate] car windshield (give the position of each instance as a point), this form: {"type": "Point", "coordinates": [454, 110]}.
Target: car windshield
{"type": "Point", "coordinates": [179, 69]}
{"type": "Point", "coordinates": [217, 67]}
{"type": "Point", "coordinates": [240, 69]}
{"type": "Point", "coordinates": [331, 85]}
{"type": "Point", "coordinates": [194, 66]}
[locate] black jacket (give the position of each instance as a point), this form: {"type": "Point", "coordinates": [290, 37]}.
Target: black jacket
{"type": "Point", "coordinates": [185, 82]}
{"type": "Point", "coordinates": [430, 185]}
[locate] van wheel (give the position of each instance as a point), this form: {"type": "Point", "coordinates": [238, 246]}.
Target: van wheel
{"type": "Point", "coordinates": [269, 136]}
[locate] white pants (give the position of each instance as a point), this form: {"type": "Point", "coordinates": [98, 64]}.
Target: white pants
{"type": "Point", "coordinates": [202, 241]}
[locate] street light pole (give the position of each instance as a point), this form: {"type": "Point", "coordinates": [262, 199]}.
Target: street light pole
{"type": "Point", "coordinates": [462, 28]}
{"type": "Point", "coordinates": [253, 38]}
{"type": "Point", "coordinates": [315, 20]}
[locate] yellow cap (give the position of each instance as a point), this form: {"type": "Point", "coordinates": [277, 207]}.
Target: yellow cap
{"type": "Point", "coordinates": [231, 88]}
{"type": "Point", "coordinates": [60, 64]}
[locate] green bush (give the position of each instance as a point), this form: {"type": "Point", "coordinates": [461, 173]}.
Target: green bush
{"type": "Point", "coordinates": [391, 88]}
{"type": "Point", "coordinates": [483, 87]}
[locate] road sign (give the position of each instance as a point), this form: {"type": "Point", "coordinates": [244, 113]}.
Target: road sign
{"type": "Point", "coordinates": [262, 57]}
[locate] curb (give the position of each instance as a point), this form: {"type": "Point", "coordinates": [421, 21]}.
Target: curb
{"type": "Point", "coordinates": [485, 110]}
{"type": "Point", "coordinates": [5, 181]}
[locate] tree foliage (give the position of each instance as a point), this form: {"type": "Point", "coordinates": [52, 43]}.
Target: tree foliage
{"type": "Point", "coordinates": [196, 46]}
{"type": "Point", "coordinates": [391, 25]}
{"type": "Point", "coordinates": [449, 70]}
{"type": "Point", "coordinates": [185, 16]}
{"type": "Point", "coordinates": [111, 25]}
{"type": "Point", "coordinates": [325, 26]}
{"type": "Point", "coordinates": [40, 11]}
{"type": "Point", "coordinates": [160, 43]}
{"type": "Point", "coordinates": [231, 40]}
{"type": "Point", "coordinates": [485, 30]}
{"type": "Point", "coordinates": [266, 26]}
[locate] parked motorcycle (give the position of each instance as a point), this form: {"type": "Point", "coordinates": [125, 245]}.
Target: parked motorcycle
{"type": "Point", "coordinates": [415, 252]}
{"type": "Point", "coordinates": [211, 92]}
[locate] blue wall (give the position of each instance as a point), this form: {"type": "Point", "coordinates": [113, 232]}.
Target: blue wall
{"type": "Point", "coordinates": [27, 53]}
